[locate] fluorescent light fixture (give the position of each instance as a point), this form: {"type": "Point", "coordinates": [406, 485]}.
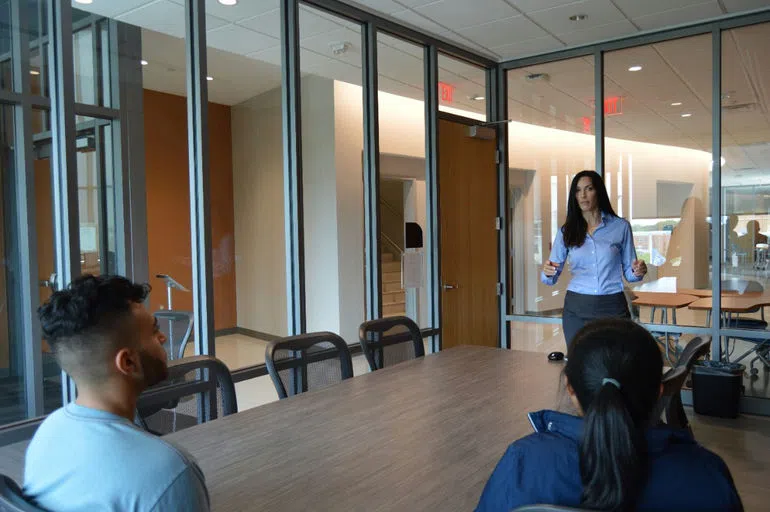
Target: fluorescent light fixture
{"type": "Point", "coordinates": [686, 115]}
{"type": "Point", "coordinates": [578, 17]}
{"type": "Point", "coordinates": [635, 68]}
{"type": "Point", "coordinates": [144, 62]}
{"type": "Point", "coordinates": [676, 103]}
{"type": "Point", "coordinates": [84, 2]}
{"type": "Point", "coordinates": [477, 97]}
{"type": "Point", "coordinates": [209, 78]}
{"type": "Point", "coordinates": [34, 72]}
{"type": "Point", "coordinates": [228, 2]}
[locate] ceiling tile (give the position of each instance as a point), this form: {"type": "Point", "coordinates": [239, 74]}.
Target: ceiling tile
{"type": "Point", "coordinates": [595, 34]}
{"type": "Point", "coordinates": [311, 23]}
{"type": "Point", "coordinates": [556, 20]}
{"type": "Point", "coordinates": [673, 17]}
{"type": "Point", "coordinates": [111, 9]}
{"type": "Point", "coordinates": [242, 41]}
{"type": "Point", "coordinates": [745, 5]}
{"type": "Point", "coordinates": [382, 6]}
{"type": "Point", "coordinates": [637, 9]}
{"type": "Point", "coordinates": [166, 17]}
{"type": "Point", "coordinates": [529, 47]}
{"type": "Point", "coordinates": [503, 32]}
{"type": "Point", "coordinates": [239, 11]}
{"type": "Point", "coordinates": [538, 5]}
{"type": "Point", "coordinates": [416, 20]}
{"type": "Point", "coordinates": [414, 3]}
{"type": "Point", "coordinates": [463, 13]}
{"type": "Point", "coordinates": [399, 44]}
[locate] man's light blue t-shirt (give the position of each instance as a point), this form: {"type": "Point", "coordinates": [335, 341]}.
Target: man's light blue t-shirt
{"type": "Point", "coordinates": [83, 459]}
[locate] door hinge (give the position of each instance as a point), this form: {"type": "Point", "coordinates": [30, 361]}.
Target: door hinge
{"type": "Point", "coordinates": [498, 156]}
{"type": "Point", "coordinates": [499, 289]}
{"type": "Point", "coordinates": [498, 223]}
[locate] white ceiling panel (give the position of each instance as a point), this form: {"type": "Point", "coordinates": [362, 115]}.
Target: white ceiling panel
{"type": "Point", "coordinates": [239, 40]}
{"type": "Point", "coordinates": [112, 8]}
{"type": "Point", "coordinates": [679, 16]}
{"type": "Point", "coordinates": [456, 14]}
{"type": "Point", "coordinates": [382, 6]}
{"type": "Point", "coordinates": [637, 9]}
{"type": "Point", "coordinates": [599, 12]}
{"type": "Point", "coordinates": [165, 17]}
{"type": "Point", "coordinates": [503, 31]}
{"type": "Point", "coordinates": [529, 47]}
{"type": "Point", "coordinates": [600, 33]}
{"type": "Point", "coordinates": [419, 21]}
{"type": "Point", "coordinates": [232, 13]}
{"type": "Point", "coordinates": [745, 5]}
{"type": "Point", "coordinates": [538, 5]}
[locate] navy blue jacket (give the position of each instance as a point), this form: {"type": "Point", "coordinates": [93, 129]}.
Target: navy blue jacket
{"type": "Point", "coordinates": [543, 468]}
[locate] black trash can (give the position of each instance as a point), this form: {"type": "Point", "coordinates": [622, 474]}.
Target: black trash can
{"type": "Point", "coordinates": [717, 388]}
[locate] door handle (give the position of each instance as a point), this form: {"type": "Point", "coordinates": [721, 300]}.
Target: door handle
{"type": "Point", "coordinates": [448, 287]}
{"type": "Point", "coordinates": [49, 283]}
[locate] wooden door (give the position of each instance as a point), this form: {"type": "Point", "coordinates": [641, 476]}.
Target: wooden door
{"type": "Point", "coordinates": [468, 208]}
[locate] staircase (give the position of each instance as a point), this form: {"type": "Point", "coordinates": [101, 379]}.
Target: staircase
{"type": "Point", "coordinates": [393, 296]}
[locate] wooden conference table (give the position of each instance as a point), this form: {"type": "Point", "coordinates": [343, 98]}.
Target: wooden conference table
{"type": "Point", "coordinates": [422, 435]}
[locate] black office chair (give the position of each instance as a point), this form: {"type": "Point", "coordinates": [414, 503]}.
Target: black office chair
{"type": "Point", "coordinates": [298, 364]}
{"type": "Point", "coordinates": [697, 347]}
{"type": "Point", "coordinates": [12, 499]}
{"type": "Point", "coordinates": [390, 341]}
{"type": "Point", "coordinates": [548, 508]}
{"type": "Point", "coordinates": [177, 326]}
{"type": "Point", "coordinates": [670, 402]}
{"type": "Point", "coordinates": [198, 389]}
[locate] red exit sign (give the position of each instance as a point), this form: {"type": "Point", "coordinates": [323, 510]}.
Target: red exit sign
{"type": "Point", "coordinates": [613, 106]}
{"type": "Point", "coordinates": [446, 92]}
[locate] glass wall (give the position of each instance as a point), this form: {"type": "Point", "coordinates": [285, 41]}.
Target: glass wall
{"type": "Point", "coordinates": [462, 88]}
{"type": "Point", "coordinates": [658, 139]}
{"type": "Point", "coordinates": [332, 173]}
{"type": "Point", "coordinates": [403, 196]}
{"type": "Point", "coordinates": [551, 138]}
{"type": "Point", "coordinates": [246, 181]}
{"type": "Point", "coordinates": [745, 194]}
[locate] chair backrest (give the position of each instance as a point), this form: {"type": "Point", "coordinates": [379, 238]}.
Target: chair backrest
{"type": "Point", "coordinates": [741, 286]}
{"type": "Point", "coordinates": [390, 341]}
{"type": "Point", "coordinates": [548, 508]}
{"type": "Point", "coordinates": [697, 347]}
{"type": "Point", "coordinates": [11, 498]}
{"type": "Point", "coordinates": [177, 326]}
{"type": "Point", "coordinates": [198, 389]}
{"type": "Point", "coordinates": [670, 399]}
{"type": "Point", "coordinates": [307, 362]}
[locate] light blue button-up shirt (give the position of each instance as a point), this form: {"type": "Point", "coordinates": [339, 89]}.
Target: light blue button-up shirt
{"type": "Point", "coordinates": [598, 266]}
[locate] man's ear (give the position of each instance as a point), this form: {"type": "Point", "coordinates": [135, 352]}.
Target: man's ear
{"type": "Point", "coordinates": [127, 362]}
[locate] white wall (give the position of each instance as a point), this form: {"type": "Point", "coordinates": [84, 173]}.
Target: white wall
{"type": "Point", "coordinates": [259, 214]}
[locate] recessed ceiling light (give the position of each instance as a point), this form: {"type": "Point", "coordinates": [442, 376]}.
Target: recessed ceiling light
{"type": "Point", "coordinates": [34, 72]}
{"type": "Point", "coordinates": [686, 115]}
{"type": "Point", "coordinates": [144, 62]}
{"type": "Point", "coordinates": [84, 2]}
{"type": "Point", "coordinates": [676, 103]}
{"type": "Point", "coordinates": [209, 78]}
{"type": "Point", "coordinates": [578, 17]}
{"type": "Point", "coordinates": [476, 97]}
{"type": "Point", "coordinates": [228, 2]}
{"type": "Point", "coordinates": [635, 68]}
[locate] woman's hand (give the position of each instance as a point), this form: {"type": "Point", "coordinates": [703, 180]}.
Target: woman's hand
{"type": "Point", "coordinates": [550, 268]}
{"type": "Point", "coordinates": [639, 267]}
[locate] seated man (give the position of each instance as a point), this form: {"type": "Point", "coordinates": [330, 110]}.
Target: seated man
{"type": "Point", "coordinates": [89, 455]}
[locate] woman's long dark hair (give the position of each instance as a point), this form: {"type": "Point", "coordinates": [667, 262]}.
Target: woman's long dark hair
{"type": "Point", "coordinates": [613, 450]}
{"type": "Point", "coordinates": [576, 227]}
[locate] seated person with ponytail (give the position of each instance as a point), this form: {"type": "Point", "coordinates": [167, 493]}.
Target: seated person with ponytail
{"type": "Point", "coordinates": [609, 458]}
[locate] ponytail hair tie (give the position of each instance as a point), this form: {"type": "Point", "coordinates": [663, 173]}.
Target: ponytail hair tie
{"type": "Point", "coordinates": [607, 380]}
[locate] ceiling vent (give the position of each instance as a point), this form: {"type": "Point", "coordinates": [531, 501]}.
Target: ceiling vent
{"type": "Point", "coordinates": [537, 77]}
{"type": "Point", "coordinates": [741, 107]}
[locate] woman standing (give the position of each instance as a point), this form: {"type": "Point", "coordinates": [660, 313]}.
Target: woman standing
{"type": "Point", "coordinates": [600, 249]}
